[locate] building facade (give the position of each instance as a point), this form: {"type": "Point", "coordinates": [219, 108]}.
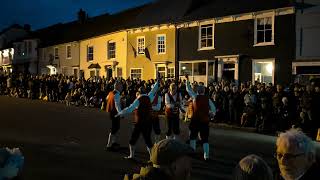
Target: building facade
{"type": "Point", "coordinates": [253, 46]}
{"type": "Point", "coordinates": [104, 56]}
{"type": "Point", "coordinates": [60, 59]}
{"type": "Point", "coordinates": [151, 50]}
{"type": "Point", "coordinates": [25, 60]}
{"type": "Point", "coordinates": [306, 65]}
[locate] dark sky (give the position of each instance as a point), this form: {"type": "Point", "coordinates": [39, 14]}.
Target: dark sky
{"type": "Point", "coordinates": [41, 13]}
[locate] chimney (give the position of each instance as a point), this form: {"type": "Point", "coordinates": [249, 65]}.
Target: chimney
{"type": "Point", "coordinates": [27, 27]}
{"type": "Point", "coordinates": [82, 16]}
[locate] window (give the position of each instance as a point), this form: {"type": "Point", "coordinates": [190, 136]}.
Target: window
{"type": "Point", "coordinates": [29, 47]}
{"type": "Point", "coordinates": [25, 50]}
{"type": "Point", "coordinates": [263, 71]}
{"type": "Point", "coordinates": [141, 45]}
{"type": "Point", "coordinates": [186, 69]}
{"type": "Point", "coordinates": [95, 72]}
{"type": "Point", "coordinates": [111, 50]}
{"type": "Point", "coordinates": [170, 72]}
{"type": "Point", "coordinates": [161, 44]}
{"type": "Point", "coordinates": [264, 30]}
{"type": "Point", "coordinates": [199, 69]}
{"type": "Point", "coordinates": [56, 53]}
{"type": "Point", "coordinates": [19, 49]}
{"type": "Point", "coordinates": [162, 71]}
{"type": "Point", "coordinates": [136, 73]}
{"type": "Point", "coordinates": [119, 72]}
{"type": "Point", "coordinates": [68, 49]}
{"type": "Point", "coordinates": [211, 69]}
{"type": "Point", "coordinates": [206, 36]}
{"type": "Point", "coordinates": [92, 73]}
{"type": "Point", "coordinates": [90, 53]}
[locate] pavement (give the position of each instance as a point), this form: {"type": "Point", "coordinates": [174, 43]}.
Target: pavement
{"type": "Point", "coordinates": [61, 142]}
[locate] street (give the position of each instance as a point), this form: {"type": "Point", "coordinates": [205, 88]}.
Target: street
{"type": "Point", "coordinates": [61, 142]}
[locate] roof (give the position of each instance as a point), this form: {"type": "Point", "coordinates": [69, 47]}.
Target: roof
{"type": "Point", "coordinates": [95, 26]}
{"type": "Point", "coordinates": [175, 11]}
{"type": "Point", "coordinates": [14, 26]}
{"type": "Point", "coordinates": [221, 8]}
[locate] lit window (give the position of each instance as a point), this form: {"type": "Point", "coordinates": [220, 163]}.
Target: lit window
{"type": "Point", "coordinates": [263, 71]}
{"type": "Point", "coordinates": [186, 69]}
{"type": "Point", "coordinates": [90, 53]}
{"type": "Point", "coordinates": [141, 45]}
{"type": "Point", "coordinates": [161, 42]}
{"type": "Point", "coordinates": [170, 72]}
{"type": "Point", "coordinates": [136, 73]}
{"type": "Point", "coordinates": [56, 53]}
{"type": "Point", "coordinates": [111, 50]}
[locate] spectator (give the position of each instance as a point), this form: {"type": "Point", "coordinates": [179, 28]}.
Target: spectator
{"type": "Point", "coordinates": [170, 160]}
{"type": "Point", "coordinates": [252, 167]}
{"type": "Point", "coordinates": [11, 162]}
{"type": "Point", "coordinates": [296, 155]}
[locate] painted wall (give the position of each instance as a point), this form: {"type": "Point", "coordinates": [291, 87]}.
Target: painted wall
{"type": "Point", "coordinates": [237, 38]}
{"type": "Point", "coordinates": [308, 28]}
{"type": "Point", "coordinates": [64, 66]}
{"type": "Point", "coordinates": [141, 61]}
{"type": "Point", "coordinates": [100, 55]}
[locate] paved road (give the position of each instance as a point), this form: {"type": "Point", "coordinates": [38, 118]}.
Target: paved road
{"type": "Point", "coordinates": [62, 142]}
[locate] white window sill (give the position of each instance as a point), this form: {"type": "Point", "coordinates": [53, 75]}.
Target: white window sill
{"type": "Point", "coordinates": [161, 53]}
{"type": "Point", "coordinates": [141, 54]}
{"type": "Point", "coordinates": [69, 58]}
{"type": "Point", "coordinates": [264, 44]}
{"type": "Point", "coordinates": [206, 48]}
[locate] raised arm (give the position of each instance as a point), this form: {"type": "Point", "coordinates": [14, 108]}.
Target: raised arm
{"type": "Point", "coordinates": [189, 89]}
{"type": "Point", "coordinates": [129, 109]}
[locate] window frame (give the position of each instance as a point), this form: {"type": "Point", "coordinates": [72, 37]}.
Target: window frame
{"type": "Point", "coordinates": [255, 61]}
{"type": "Point", "coordinates": [68, 57]}
{"type": "Point", "coordinates": [164, 44]}
{"type": "Point", "coordinates": [256, 43]}
{"type": "Point", "coordinates": [108, 49]}
{"type": "Point", "coordinates": [89, 60]}
{"type": "Point", "coordinates": [56, 53]}
{"type": "Point", "coordinates": [136, 69]}
{"type": "Point", "coordinates": [199, 36]}
{"type": "Point", "coordinates": [144, 45]}
{"type": "Point", "coordinates": [168, 72]}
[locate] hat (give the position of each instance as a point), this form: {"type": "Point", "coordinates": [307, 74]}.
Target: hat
{"type": "Point", "coordinates": [167, 151]}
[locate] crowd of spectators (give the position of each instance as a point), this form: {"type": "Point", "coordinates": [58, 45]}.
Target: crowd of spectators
{"type": "Point", "coordinates": [266, 107]}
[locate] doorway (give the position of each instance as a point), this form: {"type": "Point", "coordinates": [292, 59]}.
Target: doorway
{"type": "Point", "coordinates": [109, 73]}
{"type": "Point", "coordinates": [228, 71]}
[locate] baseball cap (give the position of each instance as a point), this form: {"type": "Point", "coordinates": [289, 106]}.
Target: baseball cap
{"type": "Point", "coordinates": [168, 150]}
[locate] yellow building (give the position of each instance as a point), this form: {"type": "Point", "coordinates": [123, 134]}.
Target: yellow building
{"type": "Point", "coordinates": [104, 55]}
{"type": "Point", "coordinates": [60, 59]}
{"type": "Point", "coordinates": [151, 50]}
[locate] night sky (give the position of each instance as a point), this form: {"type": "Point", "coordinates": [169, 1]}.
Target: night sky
{"type": "Point", "coordinates": [42, 13]}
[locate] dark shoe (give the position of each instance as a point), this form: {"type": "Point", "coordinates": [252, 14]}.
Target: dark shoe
{"type": "Point", "coordinates": [129, 158]}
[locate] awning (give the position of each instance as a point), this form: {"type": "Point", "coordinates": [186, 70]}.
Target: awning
{"type": "Point", "coordinates": [94, 66]}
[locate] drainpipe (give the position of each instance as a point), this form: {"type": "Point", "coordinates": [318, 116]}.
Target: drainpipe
{"type": "Point", "coordinates": [176, 61]}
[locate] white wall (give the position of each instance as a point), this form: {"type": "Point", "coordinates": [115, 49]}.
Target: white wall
{"type": "Point", "coordinates": [308, 43]}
